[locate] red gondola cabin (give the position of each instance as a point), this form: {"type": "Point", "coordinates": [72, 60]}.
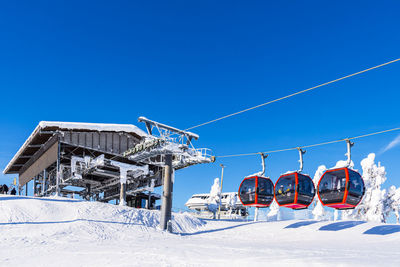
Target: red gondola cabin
{"type": "Point", "coordinates": [294, 190]}
{"type": "Point", "coordinates": [341, 188]}
{"type": "Point", "coordinates": [256, 191]}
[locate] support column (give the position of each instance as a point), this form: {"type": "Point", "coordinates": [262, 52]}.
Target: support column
{"type": "Point", "coordinates": [44, 182]}
{"type": "Point", "coordinates": [58, 174]}
{"type": "Point", "coordinates": [122, 192]}
{"type": "Point", "coordinates": [26, 189]}
{"type": "Point", "coordinates": [34, 186]}
{"type": "Point", "coordinates": [149, 201]}
{"type": "Point", "coordinates": [166, 205]}
{"type": "Point", "coordinates": [88, 192]}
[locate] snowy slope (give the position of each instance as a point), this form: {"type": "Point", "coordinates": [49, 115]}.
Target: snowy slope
{"type": "Point", "coordinates": [63, 232]}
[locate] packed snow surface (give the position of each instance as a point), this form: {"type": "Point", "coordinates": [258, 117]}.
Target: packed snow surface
{"type": "Point", "coordinates": [64, 232]}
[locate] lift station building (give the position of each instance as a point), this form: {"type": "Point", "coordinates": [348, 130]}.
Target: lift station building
{"type": "Point", "coordinates": [102, 162]}
{"type": "Point", "coordinates": [85, 159]}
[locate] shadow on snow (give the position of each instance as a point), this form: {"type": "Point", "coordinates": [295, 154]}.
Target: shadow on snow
{"type": "Point", "coordinates": [383, 230]}
{"type": "Point", "coordinates": [300, 224]}
{"type": "Point", "coordinates": [219, 229]}
{"type": "Point", "coordinates": [337, 226]}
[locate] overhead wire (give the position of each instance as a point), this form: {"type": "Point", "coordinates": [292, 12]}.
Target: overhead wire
{"type": "Point", "coordinates": [308, 146]}
{"type": "Point", "coordinates": [294, 94]}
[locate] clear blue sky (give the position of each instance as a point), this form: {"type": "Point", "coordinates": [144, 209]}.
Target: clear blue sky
{"type": "Point", "coordinates": [186, 62]}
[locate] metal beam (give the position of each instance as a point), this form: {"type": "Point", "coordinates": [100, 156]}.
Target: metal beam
{"type": "Point", "coordinates": [35, 146]}
{"type": "Point", "coordinates": [169, 128]}
{"type": "Point", "coordinates": [148, 127]}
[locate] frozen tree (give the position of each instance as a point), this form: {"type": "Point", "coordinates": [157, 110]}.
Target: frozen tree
{"type": "Point", "coordinates": [343, 163]}
{"type": "Point", "coordinates": [215, 195]}
{"type": "Point", "coordinates": [231, 201]}
{"type": "Point", "coordinates": [391, 203]}
{"type": "Point", "coordinates": [396, 204]}
{"type": "Point", "coordinates": [318, 211]}
{"type": "Point", "coordinates": [371, 207]}
{"type": "Point", "coordinates": [336, 215]}
{"type": "Point", "coordinates": [273, 214]}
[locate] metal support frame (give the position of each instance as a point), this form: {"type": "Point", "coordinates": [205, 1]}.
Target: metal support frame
{"type": "Point", "coordinates": [263, 157]}
{"type": "Point", "coordinates": [167, 194]}
{"type": "Point", "coordinates": [301, 153]}
{"type": "Point", "coordinates": [348, 154]}
{"type": "Point", "coordinates": [262, 173]}
{"type": "Point", "coordinates": [169, 140]}
{"type": "Point", "coordinates": [159, 125]}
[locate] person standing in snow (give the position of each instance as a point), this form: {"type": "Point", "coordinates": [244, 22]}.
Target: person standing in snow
{"type": "Point", "coordinates": [5, 189]}
{"type": "Point", "coordinates": [13, 191]}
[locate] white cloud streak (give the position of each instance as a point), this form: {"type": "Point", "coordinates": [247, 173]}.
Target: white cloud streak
{"type": "Point", "coordinates": [395, 142]}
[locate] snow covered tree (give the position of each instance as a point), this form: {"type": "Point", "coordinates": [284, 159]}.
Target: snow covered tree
{"type": "Point", "coordinates": [371, 207]}
{"type": "Point", "coordinates": [215, 195]}
{"type": "Point", "coordinates": [273, 214]}
{"type": "Point", "coordinates": [231, 201]}
{"type": "Point", "coordinates": [318, 211]}
{"type": "Point", "coordinates": [391, 203]}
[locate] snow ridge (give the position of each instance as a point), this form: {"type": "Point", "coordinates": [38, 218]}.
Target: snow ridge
{"type": "Point", "coordinates": [92, 216]}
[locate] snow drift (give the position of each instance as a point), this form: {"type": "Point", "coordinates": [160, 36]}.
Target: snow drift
{"type": "Point", "coordinates": [17, 210]}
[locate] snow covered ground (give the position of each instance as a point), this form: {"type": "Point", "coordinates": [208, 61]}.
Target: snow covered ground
{"type": "Point", "coordinates": [63, 232]}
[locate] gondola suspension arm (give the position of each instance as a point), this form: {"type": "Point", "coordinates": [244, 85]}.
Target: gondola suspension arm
{"type": "Point", "coordinates": [301, 153]}
{"type": "Point", "coordinates": [348, 154]}
{"type": "Point", "coordinates": [263, 157]}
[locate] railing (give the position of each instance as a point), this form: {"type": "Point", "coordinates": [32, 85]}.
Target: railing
{"type": "Point", "coordinates": [202, 152]}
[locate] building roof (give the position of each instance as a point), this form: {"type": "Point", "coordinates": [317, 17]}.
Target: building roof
{"type": "Point", "coordinates": [100, 127]}
{"type": "Point", "coordinates": [37, 139]}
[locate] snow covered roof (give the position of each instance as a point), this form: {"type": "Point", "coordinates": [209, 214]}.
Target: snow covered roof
{"type": "Point", "coordinates": [201, 200]}
{"type": "Point", "coordinates": [208, 194]}
{"type": "Point", "coordinates": [48, 126]}
{"type": "Point", "coordinates": [101, 127]}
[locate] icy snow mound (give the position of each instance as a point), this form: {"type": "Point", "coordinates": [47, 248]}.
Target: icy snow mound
{"type": "Point", "coordinates": [106, 219]}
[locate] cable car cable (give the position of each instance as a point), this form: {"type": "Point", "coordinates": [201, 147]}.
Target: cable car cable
{"type": "Point", "coordinates": [294, 94]}
{"type": "Point", "coordinates": [314, 145]}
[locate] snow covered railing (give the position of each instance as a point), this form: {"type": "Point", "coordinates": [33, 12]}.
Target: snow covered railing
{"type": "Point", "coordinates": [152, 150]}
